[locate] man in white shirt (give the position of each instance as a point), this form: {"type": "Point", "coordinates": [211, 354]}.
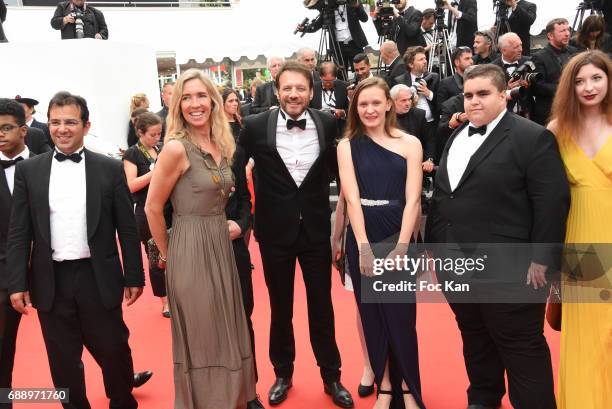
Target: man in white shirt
{"type": "Point", "coordinates": [501, 183]}
{"type": "Point", "coordinates": [12, 151]}
{"type": "Point", "coordinates": [69, 206]}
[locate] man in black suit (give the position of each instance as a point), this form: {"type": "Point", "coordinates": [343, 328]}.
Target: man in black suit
{"type": "Point", "coordinates": [166, 95]}
{"type": "Point", "coordinates": [345, 29]}
{"type": "Point", "coordinates": [519, 96]}
{"type": "Point", "coordinates": [69, 206]}
{"type": "Point", "coordinates": [265, 97]}
{"type": "Point", "coordinates": [308, 57]}
{"type": "Point", "coordinates": [426, 85]}
{"type": "Point", "coordinates": [293, 149]}
{"type": "Point", "coordinates": [470, 205]}
{"type": "Point", "coordinates": [453, 85]}
{"type": "Point", "coordinates": [12, 150]}
{"type": "Point", "coordinates": [410, 119]}
{"type": "Point", "coordinates": [484, 47]}
{"type": "Point", "coordinates": [65, 19]}
{"type": "Point", "coordinates": [404, 28]}
{"type": "Point", "coordinates": [452, 116]}
{"type": "Point", "coordinates": [2, 20]}
{"type": "Point", "coordinates": [390, 56]}
{"type": "Point", "coordinates": [549, 62]}
{"type": "Point", "coordinates": [331, 94]}
{"type": "Point", "coordinates": [464, 21]}
{"type": "Point", "coordinates": [29, 105]}
{"type": "Point", "coordinates": [522, 16]}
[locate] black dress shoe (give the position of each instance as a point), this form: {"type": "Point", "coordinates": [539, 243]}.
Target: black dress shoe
{"type": "Point", "coordinates": [364, 391]}
{"type": "Point", "coordinates": [140, 378]}
{"type": "Point", "coordinates": [255, 404]}
{"type": "Point", "coordinates": [340, 395]}
{"type": "Point", "coordinates": [278, 391]}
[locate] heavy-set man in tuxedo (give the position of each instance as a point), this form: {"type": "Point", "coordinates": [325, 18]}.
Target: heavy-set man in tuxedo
{"type": "Point", "coordinates": [522, 16]}
{"type": "Point", "coordinates": [265, 96]}
{"type": "Point", "coordinates": [453, 85]}
{"type": "Point", "coordinates": [501, 180]}
{"type": "Point", "coordinates": [12, 151]}
{"type": "Point", "coordinates": [293, 148]}
{"type": "Point", "coordinates": [520, 100]}
{"type": "Point", "coordinates": [550, 61]}
{"type": "Point", "coordinates": [69, 206]}
{"type": "Point", "coordinates": [463, 16]}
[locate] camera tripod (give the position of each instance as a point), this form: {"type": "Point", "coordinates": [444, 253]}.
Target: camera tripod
{"type": "Point", "coordinates": [580, 12]}
{"type": "Point", "coordinates": [441, 48]}
{"type": "Point", "coordinates": [502, 26]}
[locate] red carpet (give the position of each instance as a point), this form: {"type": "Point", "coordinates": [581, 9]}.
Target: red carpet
{"type": "Point", "coordinates": [442, 370]}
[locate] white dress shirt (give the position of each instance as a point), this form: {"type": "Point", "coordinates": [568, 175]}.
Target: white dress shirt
{"type": "Point", "coordinates": [298, 148]}
{"type": "Point", "coordinates": [68, 209]}
{"type": "Point", "coordinates": [462, 149]}
{"type": "Point", "coordinates": [10, 171]}
{"type": "Point", "coordinates": [343, 34]}
{"type": "Point", "coordinates": [422, 101]}
{"type": "Point", "coordinates": [29, 123]}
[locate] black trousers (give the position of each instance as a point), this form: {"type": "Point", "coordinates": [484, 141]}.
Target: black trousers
{"type": "Point", "coordinates": [243, 263]}
{"type": "Point", "coordinates": [279, 271]}
{"type": "Point", "coordinates": [506, 338]}
{"type": "Point", "coordinates": [78, 318]}
{"type": "Point", "coordinates": [157, 275]}
{"type": "Point", "coordinates": [9, 323]}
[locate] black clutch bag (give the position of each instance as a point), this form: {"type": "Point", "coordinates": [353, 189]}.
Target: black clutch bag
{"type": "Point", "coordinates": [153, 251]}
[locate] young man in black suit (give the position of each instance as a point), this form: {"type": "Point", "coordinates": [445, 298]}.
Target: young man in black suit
{"type": "Point", "coordinates": [453, 85]}
{"type": "Point", "coordinates": [12, 151]}
{"type": "Point", "coordinates": [522, 16]}
{"type": "Point", "coordinates": [530, 207]}
{"type": "Point", "coordinates": [295, 159]}
{"type": "Point", "coordinates": [69, 206]}
{"type": "Point", "coordinates": [464, 19]}
{"type": "Point", "coordinates": [550, 62]}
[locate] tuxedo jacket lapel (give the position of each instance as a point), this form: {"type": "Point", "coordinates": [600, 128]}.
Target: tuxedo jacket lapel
{"type": "Point", "coordinates": [43, 213]}
{"type": "Point", "coordinates": [92, 193]}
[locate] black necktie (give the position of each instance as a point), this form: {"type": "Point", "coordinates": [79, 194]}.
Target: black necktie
{"type": "Point", "coordinates": [11, 162]}
{"type": "Point", "coordinates": [300, 124]}
{"type": "Point", "coordinates": [75, 157]}
{"type": "Point", "coordinates": [481, 130]}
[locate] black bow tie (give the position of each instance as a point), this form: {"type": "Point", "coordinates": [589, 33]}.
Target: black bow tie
{"type": "Point", "coordinates": [11, 162]}
{"type": "Point", "coordinates": [481, 130]}
{"type": "Point", "coordinates": [300, 124]}
{"type": "Point", "coordinates": [515, 65]}
{"type": "Point", "coordinates": [75, 157]}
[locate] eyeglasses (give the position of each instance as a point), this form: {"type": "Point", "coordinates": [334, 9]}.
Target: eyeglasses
{"type": "Point", "coordinates": [7, 128]}
{"type": "Point", "coordinates": [69, 123]}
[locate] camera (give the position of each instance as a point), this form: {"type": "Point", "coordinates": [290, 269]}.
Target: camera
{"type": "Point", "coordinates": [526, 72]}
{"type": "Point", "coordinates": [426, 79]}
{"type": "Point", "coordinates": [77, 14]}
{"type": "Point", "coordinates": [385, 15]}
{"type": "Point", "coordinates": [501, 6]}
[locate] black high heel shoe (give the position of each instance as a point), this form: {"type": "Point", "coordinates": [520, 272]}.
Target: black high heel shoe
{"type": "Point", "coordinates": [365, 390]}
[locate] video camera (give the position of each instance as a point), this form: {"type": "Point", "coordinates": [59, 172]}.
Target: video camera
{"type": "Point", "coordinates": [425, 79]}
{"type": "Point", "coordinates": [385, 15]}
{"type": "Point", "coordinates": [526, 72]}
{"type": "Point", "coordinates": [500, 7]}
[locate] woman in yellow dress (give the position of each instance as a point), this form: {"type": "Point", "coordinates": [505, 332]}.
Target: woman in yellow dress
{"type": "Point", "coordinates": [582, 123]}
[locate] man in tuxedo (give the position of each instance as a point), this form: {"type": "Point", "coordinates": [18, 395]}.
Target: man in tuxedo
{"type": "Point", "coordinates": [519, 96]}
{"type": "Point", "coordinates": [265, 97]}
{"type": "Point", "coordinates": [29, 105]}
{"type": "Point", "coordinates": [293, 148]}
{"type": "Point", "coordinates": [69, 206]}
{"type": "Point", "coordinates": [12, 150]}
{"type": "Point", "coordinates": [330, 94]}
{"type": "Point", "coordinates": [484, 47]}
{"type": "Point", "coordinates": [464, 21]}
{"type": "Point", "coordinates": [426, 86]}
{"type": "Point", "coordinates": [166, 95]}
{"type": "Point", "coordinates": [470, 205]}
{"type": "Point", "coordinates": [549, 62]}
{"type": "Point", "coordinates": [522, 16]}
{"type": "Point", "coordinates": [404, 28]}
{"type": "Point", "coordinates": [453, 85]}
{"type": "Point", "coordinates": [390, 56]}
{"type": "Point", "coordinates": [308, 57]}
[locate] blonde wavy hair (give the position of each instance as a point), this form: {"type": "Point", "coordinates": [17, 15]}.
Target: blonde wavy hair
{"type": "Point", "coordinates": [139, 101]}
{"type": "Point", "coordinates": [178, 128]}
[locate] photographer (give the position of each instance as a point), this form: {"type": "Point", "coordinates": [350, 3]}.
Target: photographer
{"type": "Point", "coordinates": [464, 20]}
{"type": "Point", "coordinates": [343, 18]}
{"type": "Point", "coordinates": [2, 19]}
{"type": "Point", "coordinates": [484, 47]}
{"type": "Point", "coordinates": [512, 62]}
{"type": "Point", "coordinates": [404, 26]}
{"type": "Point", "coordinates": [522, 17]}
{"type": "Point", "coordinates": [78, 20]}
{"type": "Point", "coordinates": [330, 94]}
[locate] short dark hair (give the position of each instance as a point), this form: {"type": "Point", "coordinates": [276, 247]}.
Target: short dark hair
{"type": "Point", "coordinates": [294, 66]}
{"type": "Point", "coordinates": [428, 13]}
{"type": "Point", "coordinates": [490, 71]}
{"type": "Point", "coordinates": [328, 66]}
{"type": "Point", "coordinates": [411, 53]}
{"type": "Point", "coordinates": [146, 120]}
{"type": "Point", "coordinates": [65, 98]}
{"type": "Point", "coordinates": [459, 51]}
{"type": "Point", "coordinates": [361, 57]}
{"type": "Point", "coordinates": [13, 108]}
{"type": "Point", "coordinates": [550, 27]}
